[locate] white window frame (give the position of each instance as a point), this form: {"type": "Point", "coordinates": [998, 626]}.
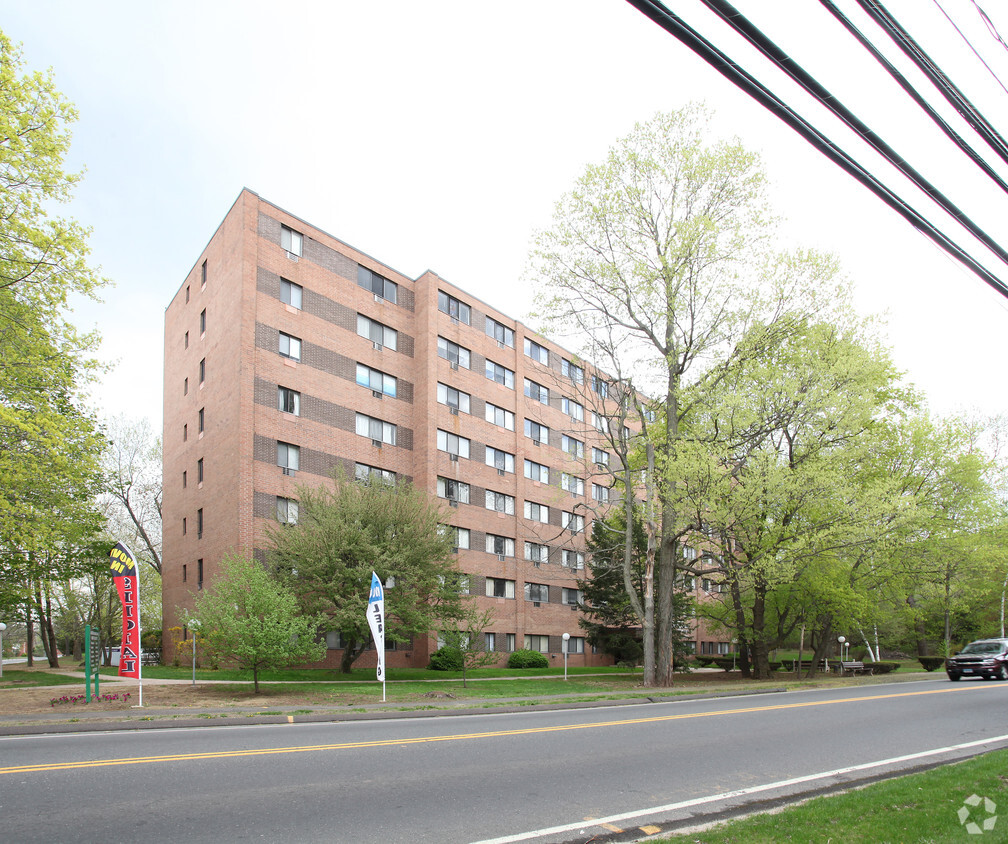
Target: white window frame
{"type": "Point", "coordinates": [291, 240]}
{"type": "Point", "coordinates": [370, 426]}
{"type": "Point", "coordinates": [537, 512]}
{"type": "Point", "coordinates": [378, 333]}
{"type": "Point", "coordinates": [499, 502]}
{"type": "Point", "coordinates": [499, 374]}
{"type": "Point", "coordinates": [463, 401]}
{"type": "Point", "coordinates": [453, 352]}
{"type": "Point", "coordinates": [446, 438]}
{"type": "Point", "coordinates": [532, 469]}
{"type": "Point", "coordinates": [375, 379]}
{"type": "Point", "coordinates": [540, 354]}
{"type": "Point", "coordinates": [506, 458]}
{"type": "Point", "coordinates": [293, 346]}
{"type": "Point", "coordinates": [291, 293]}
{"type": "Point", "coordinates": [499, 416]}
{"type": "Point", "coordinates": [536, 391]}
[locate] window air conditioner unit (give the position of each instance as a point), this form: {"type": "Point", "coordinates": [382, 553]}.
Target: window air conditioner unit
{"type": "Point", "coordinates": [500, 471]}
{"type": "Point", "coordinates": [377, 298]}
{"type": "Point", "coordinates": [536, 604]}
{"type": "Point", "coordinates": [453, 410]}
{"type": "Point", "coordinates": [537, 564]}
{"type": "Point", "coordinates": [453, 458]}
{"type": "Point", "coordinates": [287, 471]}
{"type": "Point", "coordinates": [376, 393]}
{"type": "Point", "coordinates": [455, 320]}
{"type": "Point", "coordinates": [376, 443]}
{"type": "Point", "coordinates": [377, 346]}
{"type": "Point", "coordinates": [455, 549]}
{"type": "Point", "coordinates": [292, 257]}
{"type": "Point", "coordinates": [452, 502]}
{"type": "Point", "coordinates": [536, 442]}
{"type": "Point", "coordinates": [573, 607]}
{"type": "Point", "coordinates": [454, 365]}
{"type": "Point", "coordinates": [501, 557]}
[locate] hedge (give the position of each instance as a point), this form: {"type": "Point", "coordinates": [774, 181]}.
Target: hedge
{"type": "Point", "coordinates": [527, 659]}
{"type": "Point", "coordinates": [930, 663]}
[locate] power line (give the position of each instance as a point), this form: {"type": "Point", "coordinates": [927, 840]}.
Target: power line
{"type": "Point", "coordinates": [969, 43]}
{"type": "Point", "coordinates": [731, 70]}
{"type": "Point", "coordinates": [741, 24]}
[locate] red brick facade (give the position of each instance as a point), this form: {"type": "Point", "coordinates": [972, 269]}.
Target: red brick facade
{"type": "Point", "coordinates": [230, 322]}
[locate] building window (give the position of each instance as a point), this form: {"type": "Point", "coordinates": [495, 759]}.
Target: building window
{"type": "Point", "coordinates": [455, 354]}
{"type": "Point", "coordinates": [187, 294]}
{"type": "Point", "coordinates": [689, 554]}
{"type": "Point", "coordinates": [185, 341]}
{"type": "Point", "coordinates": [288, 401]}
{"type": "Point", "coordinates": [373, 474]}
{"type": "Point", "coordinates": [572, 483]}
{"type": "Point", "coordinates": [575, 645]}
{"type": "Point", "coordinates": [536, 471]}
{"type": "Point", "coordinates": [501, 333]}
{"type": "Point", "coordinates": [452, 443]}
{"type": "Point", "coordinates": [203, 275]}
{"type": "Point", "coordinates": [185, 525]}
{"type": "Point", "coordinates": [286, 510]}
{"type": "Point", "coordinates": [202, 371]}
{"type": "Point", "coordinates": [461, 536]}
{"type": "Point", "coordinates": [537, 592]}
{"type": "Point", "coordinates": [510, 642]}
{"type": "Point", "coordinates": [201, 419]}
{"type": "Point", "coordinates": [536, 391]}
{"type": "Point", "coordinates": [535, 642]}
{"type": "Point", "coordinates": [381, 335]}
{"type": "Point", "coordinates": [572, 371]}
{"type": "Point", "coordinates": [600, 493]}
{"type": "Point", "coordinates": [502, 461]}
{"type": "Point", "coordinates": [290, 347]}
{"type": "Point", "coordinates": [499, 416]}
{"type": "Point", "coordinates": [571, 596]}
{"type": "Point", "coordinates": [455, 399]}
{"type": "Point", "coordinates": [572, 559]}
{"type": "Point", "coordinates": [598, 422]}
{"type": "Point", "coordinates": [574, 447]}
{"type": "Point", "coordinates": [199, 524]}
{"type": "Point", "coordinates": [291, 293]}
{"type": "Point", "coordinates": [185, 387]}
{"type": "Point", "coordinates": [185, 479]}
{"type": "Point", "coordinates": [199, 471]}
{"type": "Point", "coordinates": [536, 553]}
{"type": "Point", "coordinates": [500, 502]}
{"type": "Point", "coordinates": [536, 352]}
{"type": "Point", "coordinates": [185, 432]}
{"type": "Point", "coordinates": [453, 307]}
{"type": "Point", "coordinates": [537, 512]}
{"type": "Point", "coordinates": [600, 386]}
{"type": "Point", "coordinates": [185, 573]}
{"type": "Point", "coordinates": [572, 522]}
{"type": "Point", "coordinates": [498, 587]}
{"type": "Point", "coordinates": [502, 546]}
{"type": "Point", "coordinates": [288, 457]}
{"type": "Point", "coordinates": [291, 240]}
{"type": "Point", "coordinates": [376, 429]}
{"type": "Point", "coordinates": [199, 574]}
{"type": "Point", "coordinates": [453, 490]}
{"type": "Point", "coordinates": [375, 380]}
{"type": "Point", "coordinates": [202, 322]}
{"type": "Point", "coordinates": [490, 640]}
{"type": "Point", "coordinates": [536, 432]}
{"type": "Point", "coordinates": [600, 457]}
{"type": "Point", "coordinates": [573, 409]}
{"type": "Point", "coordinates": [500, 374]}
{"type": "Point", "coordinates": [379, 285]}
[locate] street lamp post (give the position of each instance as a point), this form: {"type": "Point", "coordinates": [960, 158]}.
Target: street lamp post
{"type": "Point", "coordinates": [194, 626]}
{"type": "Point", "coordinates": [566, 640]}
{"type": "Point", "coordinates": [841, 640]}
{"type": "Point", "coordinates": [2, 628]}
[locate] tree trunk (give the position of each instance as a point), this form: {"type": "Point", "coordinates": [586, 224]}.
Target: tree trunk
{"type": "Point", "coordinates": [923, 649]}
{"type": "Point", "coordinates": [740, 628]}
{"type": "Point", "coordinates": [758, 641]}
{"type": "Point", "coordinates": [30, 634]}
{"type": "Point", "coordinates": [350, 654]}
{"type": "Point", "coordinates": [255, 678]}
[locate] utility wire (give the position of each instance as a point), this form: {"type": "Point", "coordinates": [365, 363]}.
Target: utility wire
{"type": "Point", "coordinates": [969, 43]}
{"type": "Point", "coordinates": [958, 100]}
{"type": "Point", "coordinates": [914, 94]}
{"type": "Point", "coordinates": [990, 25]}
{"type": "Point", "coordinates": [728, 68]}
{"type": "Point", "coordinates": [742, 25]}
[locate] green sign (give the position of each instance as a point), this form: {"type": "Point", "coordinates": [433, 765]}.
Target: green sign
{"type": "Point", "coordinates": [92, 660]}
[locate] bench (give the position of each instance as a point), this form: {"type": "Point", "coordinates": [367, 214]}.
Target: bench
{"type": "Point", "coordinates": [854, 668]}
{"type": "Point", "coordinates": [151, 657]}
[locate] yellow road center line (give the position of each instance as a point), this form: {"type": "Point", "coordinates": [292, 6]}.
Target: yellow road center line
{"type": "Point", "coordinates": [230, 754]}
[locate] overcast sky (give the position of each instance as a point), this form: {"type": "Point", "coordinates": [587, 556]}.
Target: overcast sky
{"type": "Point", "coordinates": [439, 135]}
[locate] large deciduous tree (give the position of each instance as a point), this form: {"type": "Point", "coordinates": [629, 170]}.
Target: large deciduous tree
{"type": "Point", "coordinates": [657, 264]}
{"type": "Point", "coordinates": [48, 444]}
{"type": "Point", "coordinates": [346, 531]}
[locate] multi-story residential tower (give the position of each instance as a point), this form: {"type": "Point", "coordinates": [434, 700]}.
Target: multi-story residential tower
{"type": "Point", "coordinates": [289, 353]}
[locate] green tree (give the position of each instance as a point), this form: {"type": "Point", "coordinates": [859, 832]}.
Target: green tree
{"type": "Point", "coordinates": [465, 633]}
{"type": "Point", "coordinates": [656, 264]}
{"type": "Point", "coordinates": [48, 444]}
{"type": "Point", "coordinates": [249, 618]}
{"type": "Point", "coordinates": [345, 532]}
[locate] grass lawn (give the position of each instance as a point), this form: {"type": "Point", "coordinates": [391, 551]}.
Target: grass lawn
{"type": "Point", "coordinates": [20, 678]}
{"type": "Point", "coordinates": [922, 808]}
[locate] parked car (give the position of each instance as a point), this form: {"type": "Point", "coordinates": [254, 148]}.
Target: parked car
{"type": "Point", "coordinates": [987, 658]}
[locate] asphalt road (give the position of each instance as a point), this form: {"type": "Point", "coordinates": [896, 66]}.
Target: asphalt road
{"type": "Point", "coordinates": [570, 775]}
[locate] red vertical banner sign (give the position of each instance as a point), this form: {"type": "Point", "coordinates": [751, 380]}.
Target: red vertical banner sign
{"type": "Point", "coordinates": [124, 573]}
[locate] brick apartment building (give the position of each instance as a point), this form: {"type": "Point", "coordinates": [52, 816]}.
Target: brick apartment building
{"type": "Point", "coordinates": [289, 353]}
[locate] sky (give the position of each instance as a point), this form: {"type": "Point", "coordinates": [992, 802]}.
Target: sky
{"type": "Point", "coordinates": [439, 136]}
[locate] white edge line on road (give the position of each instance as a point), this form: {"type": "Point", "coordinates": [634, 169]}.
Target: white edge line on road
{"type": "Point", "coordinates": [742, 792]}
